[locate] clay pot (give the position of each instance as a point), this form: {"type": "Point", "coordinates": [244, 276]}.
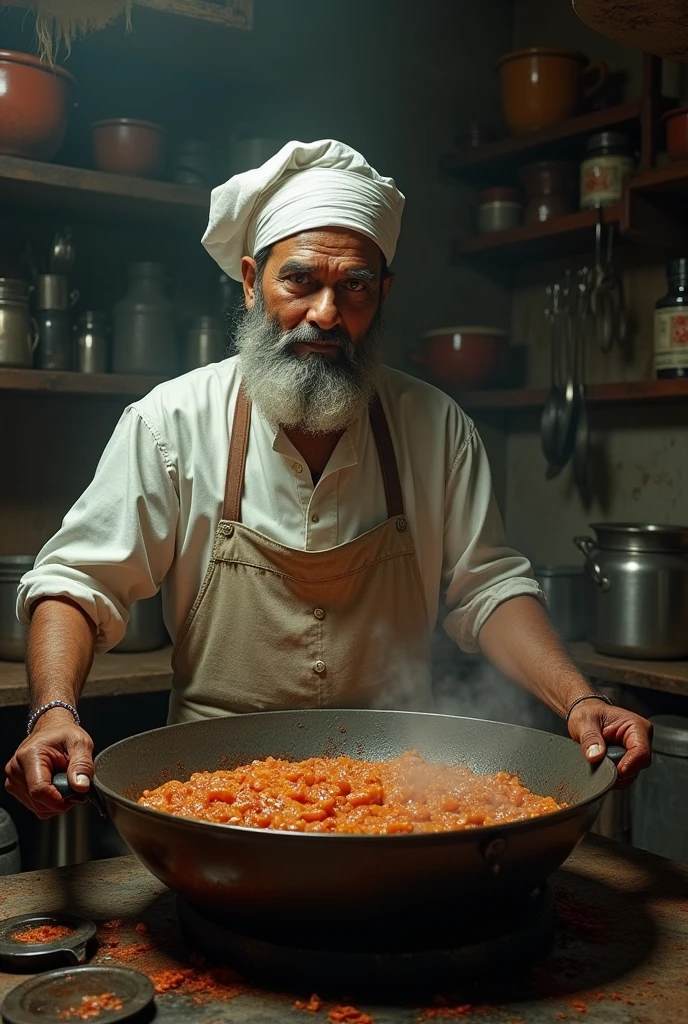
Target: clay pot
{"type": "Point", "coordinates": [543, 85]}
{"type": "Point", "coordinates": [464, 357]}
{"type": "Point", "coordinates": [124, 145]}
{"type": "Point", "coordinates": [677, 133]}
{"type": "Point", "coordinates": [34, 106]}
{"type": "Point", "coordinates": [550, 186]}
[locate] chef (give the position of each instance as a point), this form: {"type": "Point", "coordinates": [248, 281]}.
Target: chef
{"type": "Point", "coordinates": [301, 505]}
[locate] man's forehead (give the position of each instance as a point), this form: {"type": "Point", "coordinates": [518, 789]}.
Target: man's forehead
{"type": "Point", "coordinates": [327, 244]}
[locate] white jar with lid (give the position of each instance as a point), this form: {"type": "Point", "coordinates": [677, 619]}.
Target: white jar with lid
{"type": "Point", "coordinates": [606, 170]}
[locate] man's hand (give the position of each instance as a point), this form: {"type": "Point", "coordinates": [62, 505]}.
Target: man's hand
{"type": "Point", "coordinates": [57, 744]}
{"type": "Point", "coordinates": [595, 724]}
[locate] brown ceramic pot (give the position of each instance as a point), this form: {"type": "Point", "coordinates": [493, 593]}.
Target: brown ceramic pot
{"type": "Point", "coordinates": [125, 145]}
{"type": "Point", "coordinates": [543, 85]}
{"type": "Point", "coordinates": [464, 357]}
{"type": "Point", "coordinates": [676, 122]}
{"type": "Point", "coordinates": [550, 187]}
{"type": "Point", "coordinates": [34, 106]}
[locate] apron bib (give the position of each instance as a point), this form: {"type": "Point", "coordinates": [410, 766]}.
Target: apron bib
{"type": "Point", "coordinates": [276, 628]}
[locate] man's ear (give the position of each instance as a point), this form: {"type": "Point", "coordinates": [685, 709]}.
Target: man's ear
{"type": "Point", "coordinates": [249, 275]}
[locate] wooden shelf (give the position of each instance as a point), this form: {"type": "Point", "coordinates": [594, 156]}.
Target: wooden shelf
{"type": "Point", "coordinates": [495, 163]}
{"type": "Point", "coordinates": [69, 383]}
{"type": "Point", "coordinates": [663, 181]}
{"type": "Point", "coordinates": [562, 236]}
{"type": "Point", "coordinates": [621, 392]}
{"type": "Point", "coordinates": [111, 675]}
{"type": "Point", "coordinates": [667, 676]}
{"type": "Point", "coordinates": [31, 183]}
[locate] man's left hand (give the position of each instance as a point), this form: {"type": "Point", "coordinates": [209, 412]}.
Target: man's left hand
{"type": "Point", "coordinates": [595, 725]}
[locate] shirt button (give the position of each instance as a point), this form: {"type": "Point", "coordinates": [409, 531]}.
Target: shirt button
{"type": "Point", "coordinates": [319, 613]}
{"type": "Point", "coordinates": [315, 518]}
{"type": "Point", "coordinates": [319, 667]}
{"type": "Point", "coordinates": [298, 468]}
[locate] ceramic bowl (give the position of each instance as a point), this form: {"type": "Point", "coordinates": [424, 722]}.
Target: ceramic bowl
{"type": "Point", "coordinates": [34, 106]}
{"type": "Point", "coordinates": [464, 357]}
{"type": "Point", "coordinates": [126, 145]}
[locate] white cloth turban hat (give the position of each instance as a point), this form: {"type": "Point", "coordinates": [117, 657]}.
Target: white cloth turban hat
{"type": "Point", "coordinates": [306, 185]}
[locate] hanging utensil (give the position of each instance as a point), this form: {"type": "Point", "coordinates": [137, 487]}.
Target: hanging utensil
{"type": "Point", "coordinates": [62, 252]}
{"type": "Point", "coordinates": [606, 292]}
{"type": "Point", "coordinates": [581, 445]}
{"type": "Point", "coordinates": [566, 405]}
{"type": "Point", "coordinates": [548, 420]}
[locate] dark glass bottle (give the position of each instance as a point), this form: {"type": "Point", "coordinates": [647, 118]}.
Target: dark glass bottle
{"type": "Point", "coordinates": [671, 323]}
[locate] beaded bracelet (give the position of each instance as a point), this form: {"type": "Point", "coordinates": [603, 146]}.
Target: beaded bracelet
{"type": "Point", "coordinates": [588, 696]}
{"type": "Point", "coordinates": [48, 707]}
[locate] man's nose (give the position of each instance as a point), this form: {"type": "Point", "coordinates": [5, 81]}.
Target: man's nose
{"type": "Point", "coordinates": [323, 312]}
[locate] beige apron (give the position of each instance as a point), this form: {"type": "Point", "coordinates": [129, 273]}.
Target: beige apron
{"type": "Point", "coordinates": [275, 627]}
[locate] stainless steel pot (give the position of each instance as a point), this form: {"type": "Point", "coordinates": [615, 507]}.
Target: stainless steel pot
{"type": "Point", "coordinates": [145, 629]}
{"type": "Point", "coordinates": [12, 633]}
{"type": "Point", "coordinates": [562, 585]}
{"type": "Point", "coordinates": [18, 331]}
{"type": "Point", "coordinates": [206, 342]}
{"type": "Point", "coordinates": [636, 589]}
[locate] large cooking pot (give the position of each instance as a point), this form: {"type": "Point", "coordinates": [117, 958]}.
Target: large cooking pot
{"type": "Point", "coordinates": [636, 587]}
{"type": "Point", "coordinates": [145, 629]}
{"type": "Point", "coordinates": [34, 105]}
{"type": "Point", "coordinates": [12, 633]}
{"type": "Point", "coordinates": [259, 878]}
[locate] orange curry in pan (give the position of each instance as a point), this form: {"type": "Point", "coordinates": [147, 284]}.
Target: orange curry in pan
{"type": "Point", "coordinates": [342, 795]}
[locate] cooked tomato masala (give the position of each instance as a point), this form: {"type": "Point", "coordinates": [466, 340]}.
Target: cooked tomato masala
{"type": "Point", "coordinates": [343, 795]}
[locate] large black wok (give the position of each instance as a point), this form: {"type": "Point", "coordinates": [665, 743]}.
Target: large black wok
{"type": "Point", "coordinates": [259, 878]}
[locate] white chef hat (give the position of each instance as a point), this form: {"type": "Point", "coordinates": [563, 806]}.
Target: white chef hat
{"type": "Point", "coordinates": [305, 185]}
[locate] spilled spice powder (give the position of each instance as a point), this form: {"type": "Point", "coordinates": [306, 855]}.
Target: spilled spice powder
{"type": "Point", "coordinates": [43, 933]}
{"type": "Point", "coordinates": [116, 923]}
{"type": "Point", "coordinates": [142, 928]}
{"type": "Point", "coordinates": [216, 983]}
{"type": "Point", "coordinates": [91, 1006]}
{"type": "Point", "coordinates": [312, 1005]}
{"type": "Point", "coordinates": [579, 1005]}
{"type": "Point", "coordinates": [349, 1015]}
{"type": "Point", "coordinates": [435, 1012]}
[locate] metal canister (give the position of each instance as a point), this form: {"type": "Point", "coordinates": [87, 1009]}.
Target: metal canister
{"type": "Point", "coordinates": [55, 339]}
{"type": "Point", "coordinates": [606, 170]}
{"type": "Point", "coordinates": [18, 331]}
{"type": "Point", "coordinates": [91, 343]}
{"type": "Point", "coordinates": [206, 342]}
{"type": "Point", "coordinates": [144, 325]}
{"type": "Point", "coordinates": [658, 798]}
{"type": "Point", "coordinates": [562, 585]}
{"type": "Point", "coordinates": [52, 292]}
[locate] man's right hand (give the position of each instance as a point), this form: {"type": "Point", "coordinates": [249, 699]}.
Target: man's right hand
{"type": "Point", "coordinates": [57, 744]}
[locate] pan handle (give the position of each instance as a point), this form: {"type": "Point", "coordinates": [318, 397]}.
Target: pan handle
{"type": "Point", "coordinates": [61, 784]}
{"type": "Point", "coordinates": [615, 753]}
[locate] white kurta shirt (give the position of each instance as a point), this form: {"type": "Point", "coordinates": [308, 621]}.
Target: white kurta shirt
{"type": "Point", "coordinates": [149, 516]}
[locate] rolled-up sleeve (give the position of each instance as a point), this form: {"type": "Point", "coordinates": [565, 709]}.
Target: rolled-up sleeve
{"type": "Point", "coordinates": [479, 571]}
{"type": "Point", "coordinates": [117, 543]}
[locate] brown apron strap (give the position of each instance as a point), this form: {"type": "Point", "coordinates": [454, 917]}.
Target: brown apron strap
{"type": "Point", "coordinates": [388, 460]}
{"type": "Point", "coordinates": [238, 445]}
{"type": "Point", "coordinates": [236, 463]}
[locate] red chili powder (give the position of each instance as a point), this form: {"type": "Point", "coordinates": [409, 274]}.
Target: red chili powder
{"type": "Point", "coordinates": [349, 1015]}
{"type": "Point", "coordinates": [435, 1012]}
{"type": "Point", "coordinates": [92, 1006]}
{"type": "Point", "coordinates": [202, 986]}
{"type": "Point", "coordinates": [43, 933]}
{"type": "Point", "coordinates": [312, 1005]}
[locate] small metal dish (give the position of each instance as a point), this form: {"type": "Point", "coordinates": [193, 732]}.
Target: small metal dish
{"type": "Point", "coordinates": [51, 996]}
{"type": "Point", "coordinates": [31, 957]}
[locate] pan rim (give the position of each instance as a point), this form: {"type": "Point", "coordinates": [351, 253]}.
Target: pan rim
{"type": "Point", "coordinates": [462, 835]}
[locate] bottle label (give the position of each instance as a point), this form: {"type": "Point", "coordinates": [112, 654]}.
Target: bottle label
{"type": "Point", "coordinates": [671, 338]}
{"type": "Point", "coordinates": [603, 179]}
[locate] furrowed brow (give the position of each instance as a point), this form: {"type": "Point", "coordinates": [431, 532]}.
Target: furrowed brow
{"type": "Point", "coordinates": [296, 267]}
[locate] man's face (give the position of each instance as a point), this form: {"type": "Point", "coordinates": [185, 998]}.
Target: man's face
{"type": "Point", "coordinates": [329, 279]}
{"type": "Point", "coordinates": [310, 341]}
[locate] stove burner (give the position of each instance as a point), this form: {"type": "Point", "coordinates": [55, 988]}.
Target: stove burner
{"type": "Point", "coordinates": [462, 949]}
{"type": "Point", "coordinates": [68, 951]}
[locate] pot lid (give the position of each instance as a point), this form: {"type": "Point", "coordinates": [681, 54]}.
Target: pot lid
{"type": "Point", "coordinates": [641, 536]}
{"type": "Point", "coordinates": [465, 330]}
{"type": "Point", "coordinates": [29, 59]}
{"type": "Point", "coordinates": [670, 735]}
{"type": "Point", "coordinates": [658, 28]}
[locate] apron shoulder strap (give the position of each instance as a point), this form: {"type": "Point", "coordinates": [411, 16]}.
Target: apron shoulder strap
{"type": "Point", "coordinates": [236, 462]}
{"type": "Point", "coordinates": [388, 460]}
{"type": "Point", "coordinates": [238, 445]}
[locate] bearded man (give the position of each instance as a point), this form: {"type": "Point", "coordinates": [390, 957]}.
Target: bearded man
{"type": "Point", "coordinates": [301, 505]}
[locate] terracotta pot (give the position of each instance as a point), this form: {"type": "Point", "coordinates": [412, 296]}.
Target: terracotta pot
{"type": "Point", "coordinates": [544, 85]}
{"type": "Point", "coordinates": [124, 145]}
{"type": "Point", "coordinates": [34, 106]}
{"type": "Point", "coordinates": [677, 133]}
{"type": "Point", "coordinates": [464, 357]}
{"type": "Point", "coordinates": [550, 187]}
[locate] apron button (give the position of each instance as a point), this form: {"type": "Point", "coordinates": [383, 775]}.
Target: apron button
{"type": "Point", "coordinates": [226, 529]}
{"type": "Point", "coordinates": [319, 667]}
{"type": "Point", "coordinates": [319, 613]}
{"type": "Point", "coordinates": [402, 525]}
{"type": "Point", "coordinates": [298, 468]}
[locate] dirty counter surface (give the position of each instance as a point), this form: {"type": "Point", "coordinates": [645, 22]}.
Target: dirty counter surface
{"type": "Point", "coordinates": [621, 954]}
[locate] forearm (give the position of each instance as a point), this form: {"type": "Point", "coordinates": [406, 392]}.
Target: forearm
{"type": "Point", "coordinates": [60, 651]}
{"type": "Point", "coordinates": [520, 641]}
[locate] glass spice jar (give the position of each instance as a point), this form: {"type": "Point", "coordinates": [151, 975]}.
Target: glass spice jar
{"type": "Point", "coordinates": [671, 323]}
{"type": "Point", "coordinates": [606, 169]}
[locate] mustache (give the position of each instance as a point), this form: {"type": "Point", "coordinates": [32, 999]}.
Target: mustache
{"type": "Point", "coordinates": [308, 334]}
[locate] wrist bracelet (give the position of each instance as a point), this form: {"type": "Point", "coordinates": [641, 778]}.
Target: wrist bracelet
{"type": "Point", "coordinates": [588, 696]}
{"type": "Point", "coordinates": [48, 707]}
